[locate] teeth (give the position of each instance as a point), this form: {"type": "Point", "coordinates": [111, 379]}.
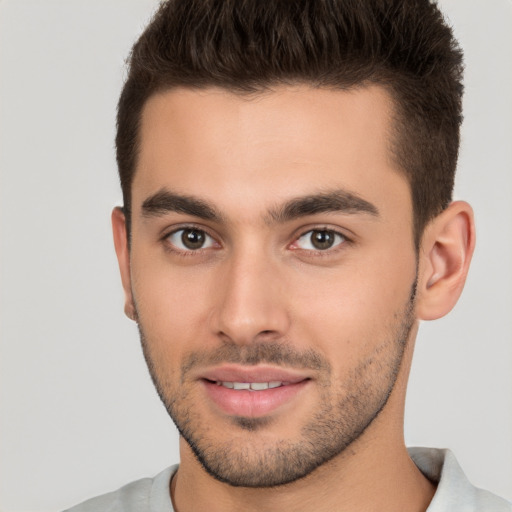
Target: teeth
{"type": "Point", "coordinates": [252, 386]}
{"type": "Point", "coordinates": [257, 386]}
{"type": "Point", "coordinates": [241, 385]}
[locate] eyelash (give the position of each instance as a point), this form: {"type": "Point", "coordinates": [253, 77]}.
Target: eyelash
{"type": "Point", "coordinates": [314, 253]}
{"type": "Point", "coordinates": [326, 252]}
{"type": "Point", "coordinates": [181, 252]}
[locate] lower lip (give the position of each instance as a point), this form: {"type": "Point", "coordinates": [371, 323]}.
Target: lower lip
{"type": "Point", "coordinates": [252, 404]}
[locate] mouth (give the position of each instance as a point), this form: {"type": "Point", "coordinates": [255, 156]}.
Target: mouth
{"type": "Point", "coordinates": [252, 392]}
{"type": "Point", "coordinates": [252, 386]}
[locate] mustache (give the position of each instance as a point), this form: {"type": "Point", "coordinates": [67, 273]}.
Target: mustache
{"type": "Point", "coordinates": [250, 355]}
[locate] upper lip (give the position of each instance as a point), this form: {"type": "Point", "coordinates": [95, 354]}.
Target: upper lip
{"type": "Point", "coordinates": [238, 373]}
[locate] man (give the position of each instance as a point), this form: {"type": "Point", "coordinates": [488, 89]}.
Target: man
{"type": "Point", "coordinates": [287, 170]}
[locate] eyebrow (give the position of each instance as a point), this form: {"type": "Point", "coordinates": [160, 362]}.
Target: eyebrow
{"type": "Point", "coordinates": [334, 201]}
{"type": "Point", "coordinates": [164, 202]}
{"type": "Point", "coordinates": [342, 201]}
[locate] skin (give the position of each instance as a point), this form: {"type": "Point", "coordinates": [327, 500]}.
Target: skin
{"type": "Point", "coordinates": [258, 281]}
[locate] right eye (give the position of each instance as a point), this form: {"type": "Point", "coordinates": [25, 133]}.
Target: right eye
{"type": "Point", "coordinates": [190, 239]}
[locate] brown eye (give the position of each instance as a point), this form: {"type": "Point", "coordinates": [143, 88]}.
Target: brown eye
{"type": "Point", "coordinates": [190, 239]}
{"type": "Point", "coordinates": [319, 240]}
{"type": "Point", "coordinates": [322, 239]}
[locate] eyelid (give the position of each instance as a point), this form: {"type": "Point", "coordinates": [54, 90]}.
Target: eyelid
{"type": "Point", "coordinates": [336, 231]}
{"type": "Point", "coordinates": [347, 239]}
{"type": "Point", "coordinates": [182, 227]}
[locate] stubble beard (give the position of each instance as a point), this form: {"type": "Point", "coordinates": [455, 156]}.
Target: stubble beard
{"type": "Point", "coordinates": [343, 414]}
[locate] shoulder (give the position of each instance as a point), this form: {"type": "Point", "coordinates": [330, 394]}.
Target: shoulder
{"type": "Point", "coordinates": [144, 495]}
{"type": "Point", "coordinates": [454, 491]}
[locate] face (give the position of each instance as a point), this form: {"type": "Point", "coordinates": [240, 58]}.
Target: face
{"type": "Point", "coordinates": [272, 272]}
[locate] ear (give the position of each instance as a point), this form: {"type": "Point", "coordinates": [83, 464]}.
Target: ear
{"type": "Point", "coordinates": [123, 258]}
{"type": "Point", "coordinates": [445, 254]}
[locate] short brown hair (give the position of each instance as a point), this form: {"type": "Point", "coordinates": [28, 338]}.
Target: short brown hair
{"type": "Point", "coordinates": [247, 46]}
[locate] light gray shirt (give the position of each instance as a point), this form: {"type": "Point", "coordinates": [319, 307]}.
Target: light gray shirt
{"type": "Point", "coordinates": [454, 491]}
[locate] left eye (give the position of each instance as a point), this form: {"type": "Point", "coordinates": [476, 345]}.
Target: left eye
{"type": "Point", "coordinates": [190, 239]}
{"type": "Point", "coordinates": [319, 240]}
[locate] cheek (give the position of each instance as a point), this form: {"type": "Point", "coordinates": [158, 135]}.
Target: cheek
{"type": "Point", "coordinates": [172, 307]}
{"type": "Point", "coordinates": [348, 311]}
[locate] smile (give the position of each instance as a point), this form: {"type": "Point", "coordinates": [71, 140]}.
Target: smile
{"type": "Point", "coordinates": [251, 386]}
{"type": "Point", "coordinates": [252, 399]}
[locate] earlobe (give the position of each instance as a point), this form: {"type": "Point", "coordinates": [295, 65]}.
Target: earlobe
{"type": "Point", "coordinates": [123, 258]}
{"type": "Point", "coordinates": [444, 258]}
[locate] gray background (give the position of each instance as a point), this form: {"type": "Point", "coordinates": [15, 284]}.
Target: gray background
{"type": "Point", "coordinates": [78, 412]}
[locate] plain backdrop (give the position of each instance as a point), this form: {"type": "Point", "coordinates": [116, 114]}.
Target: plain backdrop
{"type": "Point", "coordinates": [79, 415]}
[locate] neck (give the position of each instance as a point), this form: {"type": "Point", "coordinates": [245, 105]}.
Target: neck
{"type": "Point", "coordinates": [382, 479]}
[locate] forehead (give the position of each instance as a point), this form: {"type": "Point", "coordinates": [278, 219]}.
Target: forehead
{"type": "Point", "coordinates": [285, 142]}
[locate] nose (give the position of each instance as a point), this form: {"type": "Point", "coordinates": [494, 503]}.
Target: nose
{"type": "Point", "coordinates": [250, 300]}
